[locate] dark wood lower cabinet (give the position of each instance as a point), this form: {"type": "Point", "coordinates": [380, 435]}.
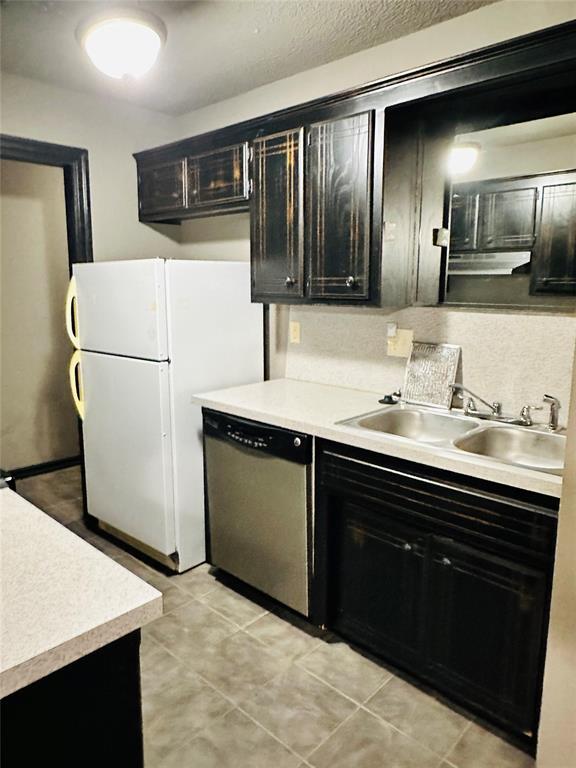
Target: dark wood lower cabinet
{"type": "Point", "coordinates": [444, 576]}
{"type": "Point", "coordinates": [87, 714]}
{"type": "Point", "coordinates": [484, 629]}
{"type": "Point", "coordinates": [378, 565]}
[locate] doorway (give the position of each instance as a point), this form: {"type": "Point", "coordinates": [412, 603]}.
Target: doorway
{"type": "Point", "coordinates": [45, 223]}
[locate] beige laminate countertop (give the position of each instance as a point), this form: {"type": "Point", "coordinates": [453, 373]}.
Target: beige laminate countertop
{"type": "Point", "coordinates": [316, 409]}
{"type": "Point", "coordinates": [60, 597]}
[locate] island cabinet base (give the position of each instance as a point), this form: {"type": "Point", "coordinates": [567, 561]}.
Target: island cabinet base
{"type": "Point", "coordinates": [86, 714]}
{"type": "Point", "coordinates": [444, 576]}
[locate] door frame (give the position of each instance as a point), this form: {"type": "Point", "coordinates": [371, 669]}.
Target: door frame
{"type": "Point", "coordinates": [74, 163]}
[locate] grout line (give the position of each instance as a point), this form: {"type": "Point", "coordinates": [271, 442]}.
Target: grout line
{"type": "Point", "coordinates": [461, 736]}
{"type": "Point", "coordinates": [321, 744]}
{"type": "Point", "coordinates": [329, 685]}
{"type": "Point", "coordinates": [270, 733]}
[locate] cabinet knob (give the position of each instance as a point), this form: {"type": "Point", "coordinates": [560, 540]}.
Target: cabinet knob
{"type": "Point", "coordinates": [446, 561]}
{"type": "Point", "coordinates": [407, 547]}
{"type": "Point", "coordinates": [297, 442]}
{"type": "Point", "coordinates": [290, 282]}
{"type": "Point", "coordinates": [350, 281]}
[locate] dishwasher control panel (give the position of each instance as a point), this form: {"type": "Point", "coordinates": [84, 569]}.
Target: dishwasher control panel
{"type": "Point", "coordinates": [254, 435]}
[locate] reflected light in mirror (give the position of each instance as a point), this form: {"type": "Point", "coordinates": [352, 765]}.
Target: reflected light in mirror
{"type": "Point", "coordinates": [462, 158]}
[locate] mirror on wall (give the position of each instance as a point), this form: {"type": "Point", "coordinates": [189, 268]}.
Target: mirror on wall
{"type": "Point", "coordinates": [511, 192]}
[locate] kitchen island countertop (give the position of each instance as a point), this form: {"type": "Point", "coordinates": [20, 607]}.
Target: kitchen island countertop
{"type": "Point", "coordinates": [60, 597]}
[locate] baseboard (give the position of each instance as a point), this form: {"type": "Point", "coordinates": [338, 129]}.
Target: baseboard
{"type": "Point", "coordinates": [41, 469]}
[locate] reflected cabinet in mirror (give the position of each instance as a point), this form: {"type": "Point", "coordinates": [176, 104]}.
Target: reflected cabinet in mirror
{"type": "Point", "coordinates": [512, 214]}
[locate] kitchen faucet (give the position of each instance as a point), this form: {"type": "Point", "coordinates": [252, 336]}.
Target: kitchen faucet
{"type": "Point", "coordinates": [495, 409]}
{"type": "Point", "coordinates": [470, 404]}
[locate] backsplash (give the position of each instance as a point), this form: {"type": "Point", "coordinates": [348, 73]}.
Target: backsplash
{"type": "Point", "coordinates": [508, 356]}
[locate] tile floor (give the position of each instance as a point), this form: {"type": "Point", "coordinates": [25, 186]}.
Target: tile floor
{"type": "Point", "coordinates": [229, 684]}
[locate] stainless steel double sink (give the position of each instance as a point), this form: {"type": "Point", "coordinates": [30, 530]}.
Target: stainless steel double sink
{"type": "Point", "coordinates": [531, 448]}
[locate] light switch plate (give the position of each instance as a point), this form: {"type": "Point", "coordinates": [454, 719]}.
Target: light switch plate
{"type": "Point", "coordinates": [294, 332]}
{"type": "Point", "coordinates": [400, 345]}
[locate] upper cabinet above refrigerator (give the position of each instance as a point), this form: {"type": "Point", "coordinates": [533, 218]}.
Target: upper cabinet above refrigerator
{"type": "Point", "coordinates": [121, 308]}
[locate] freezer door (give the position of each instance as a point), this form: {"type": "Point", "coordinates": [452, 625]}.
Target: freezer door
{"type": "Point", "coordinates": [127, 447]}
{"type": "Point", "coordinates": [122, 308]}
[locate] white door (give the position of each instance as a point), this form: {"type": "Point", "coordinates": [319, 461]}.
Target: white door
{"type": "Point", "coordinates": [127, 447]}
{"type": "Point", "coordinates": [122, 308]}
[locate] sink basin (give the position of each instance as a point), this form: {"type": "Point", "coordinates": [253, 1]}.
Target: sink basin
{"type": "Point", "coordinates": [424, 427]}
{"type": "Point", "coordinates": [541, 451]}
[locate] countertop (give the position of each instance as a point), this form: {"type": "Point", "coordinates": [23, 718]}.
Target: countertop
{"type": "Point", "coordinates": [316, 409]}
{"type": "Point", "coordinates": [60, 597]}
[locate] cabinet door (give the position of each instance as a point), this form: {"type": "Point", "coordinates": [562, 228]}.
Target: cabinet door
{"type": "Point", "coordinates": [218, 178]}
{"type": "Point", "coordinates": [507, 218]}
{"type": "Point", "coordinates": [339, 185]}
{"type": "Point", "coordinates": [485, 625]}
{"type": "Point", "coordinates": [377, 581]}
{"type": "Point", "coordinates": [554, 259]}
{"type": "Point", "coordinates": [277, 217]}
{"type": "Point", "coordinates": [161, 187]}
{"type": "Point", "coordinates": [464, 221]}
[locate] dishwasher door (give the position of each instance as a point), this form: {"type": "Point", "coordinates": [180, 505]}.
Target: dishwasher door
{"type": "Point", "coordinates": [258, 504]}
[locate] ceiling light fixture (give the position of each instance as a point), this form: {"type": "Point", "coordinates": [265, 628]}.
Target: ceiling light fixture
{"type": "Point", "coordinates": [463, 157]}
{"type": "Point", "coordinates": [122, 43]}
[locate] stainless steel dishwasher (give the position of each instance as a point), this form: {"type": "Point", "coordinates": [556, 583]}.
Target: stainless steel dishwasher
{"type": "Point", "coordinates": [258, 502]}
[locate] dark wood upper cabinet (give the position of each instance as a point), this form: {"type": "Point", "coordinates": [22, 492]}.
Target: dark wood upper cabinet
{"type": "Point", "coordinates": [338, 197]}
{"type": "Point", "coordinates": [507, 217]}
{"type": "Point", "coordinates": [162, 188]}
{"type": "Point", "coordinates": [493, 215]}
{"type": "Point", "coordinates": [464, 221]}
{"type": "Point", "coordinates": [370, 205]}
{"type": "Point", "coordinates": [218, 178]}
{"type": "Point", "coordinates": [554, 258]}
{"type": "Point", "coordinates": [276, 221]}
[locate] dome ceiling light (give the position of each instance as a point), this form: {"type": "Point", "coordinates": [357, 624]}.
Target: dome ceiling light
{"type": "Point", "coordinates": [122, 43]}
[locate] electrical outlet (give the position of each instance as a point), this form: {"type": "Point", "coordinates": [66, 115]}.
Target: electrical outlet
{"type": "Point", "coordinates": [294, 332]}
{"type": "Point", "coordinates": [400, 345]}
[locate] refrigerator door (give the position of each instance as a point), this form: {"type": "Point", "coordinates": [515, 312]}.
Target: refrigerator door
{"type": "Point", "coordinates": [215, 340]}
{"type": "Point", "coordinates": [127, 447]}
{"type": "Point", "coordinates": [121, 308]}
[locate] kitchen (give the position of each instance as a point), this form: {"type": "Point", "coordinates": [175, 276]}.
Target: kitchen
{"type": "Point", "coordinates": [302, 192]}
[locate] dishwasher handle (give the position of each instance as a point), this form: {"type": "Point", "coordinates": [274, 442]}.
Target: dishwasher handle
{"type": "Point", "coordinates": [262, 438]}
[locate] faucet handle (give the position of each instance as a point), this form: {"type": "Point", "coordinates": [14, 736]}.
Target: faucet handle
{"type": "Point", "coordinates": [554, 408]}
{"type": "Point", "coordinates": [526, 414]}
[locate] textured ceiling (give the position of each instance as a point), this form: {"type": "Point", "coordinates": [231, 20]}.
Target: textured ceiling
{"type": "Point", "coordinates": [215, 49]}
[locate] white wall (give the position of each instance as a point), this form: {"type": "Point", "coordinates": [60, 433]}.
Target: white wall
{"type": "Point", "coordinates": [111, 131]}
{"type": "Point", "coordinates": [37, 417]}
{"type": "Point", "coordinates": [557, 735]}
{"type": "Point", "coordinates": [523, 159]}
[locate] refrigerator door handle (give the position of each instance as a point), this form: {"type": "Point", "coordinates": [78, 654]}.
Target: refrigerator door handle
{"type": "Point", "coordinates": [71, 313]}
{"type": "Point", "coordinates": [76, 383]}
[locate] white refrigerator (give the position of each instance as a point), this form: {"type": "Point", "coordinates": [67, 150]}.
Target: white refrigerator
{"type": "Point", "coordinates": [149, 334]}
